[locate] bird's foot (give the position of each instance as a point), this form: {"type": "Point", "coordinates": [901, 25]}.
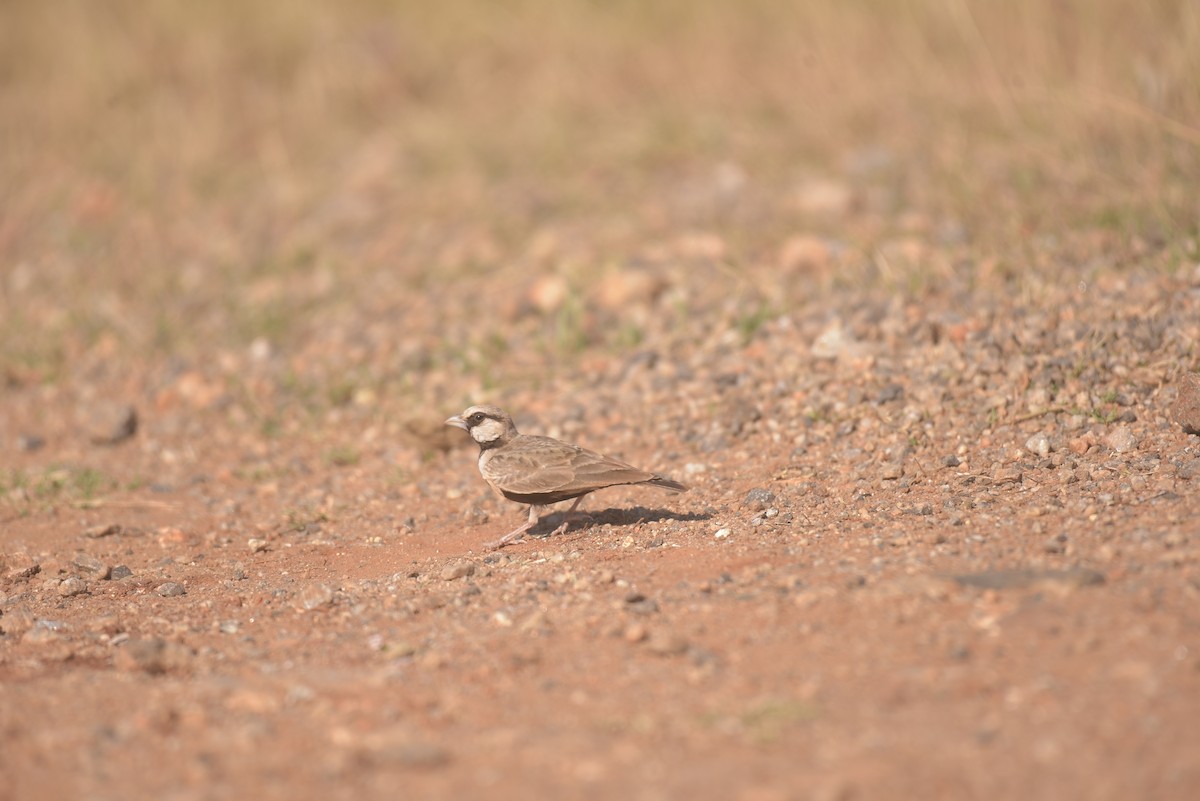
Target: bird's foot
{"type": "Point", "coordinates": [514, 536]}
{"type": "Point", "coordinates": [507, 539]}
{"type": "Point", "coordinates": [568, 519]}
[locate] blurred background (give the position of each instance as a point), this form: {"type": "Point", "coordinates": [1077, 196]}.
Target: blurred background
{"type": "Point", "coordinates": [425, 203]}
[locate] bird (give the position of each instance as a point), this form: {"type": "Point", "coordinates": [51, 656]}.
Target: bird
{"type": "Point", "coordinates": [541, 471]}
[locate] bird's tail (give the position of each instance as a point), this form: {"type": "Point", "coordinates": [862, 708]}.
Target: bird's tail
{"type": "Point", "coordinates": [666, 484]}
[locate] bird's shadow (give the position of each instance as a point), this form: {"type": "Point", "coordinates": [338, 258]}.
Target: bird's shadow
{"type": "Point", "coordinates": [630, 516]}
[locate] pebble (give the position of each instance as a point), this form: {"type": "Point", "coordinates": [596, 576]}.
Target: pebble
{"type": "Point", "coordinates": [890, 393]}
{"type": "Point", "coordinates": [1121, 439]}
{"type": "Point", "coordinates": [617, 290]}
{"type": "Point", "coordinates": [19, 566]}
{"type": "Point", "coordinates": [1056, 544]}
{"type": "Point", "coordinates": [1040, 444]}
{"type": "Point", "coordinates": [635, 633]}
{"type": "Point", "coordinates": [548, 293]}
{"type": "Point", "coordinates": [30, 443]}
{"type": "Point", "coordinates": [759, 498]}
{"type": "Point", "coordinates": [460, 568]}
{"type": "Point", "coordinates": [170, 589]}
{"type": "Point", "coordinates": [639, 604]}
{"type": "Point", "coordinates": [835, 342]}
{"type": "Point", "coordinates": [314, 596]}
{"type": "Point", "coordinates": [1186, 409]}
{"type": "Point", "coordinates": [152, 656]}
{"type": "Point", "coordinates": [72, 586]}
{"type": "Point", "coordinates": [92, 566]}
{"type": "Point", "coordinates": [823, 197]}
{"type": "Point", "coordinates": [102, 530]}
{"type": "Point", "coordinates": [1007, 475]}
{"type": "Point", "coordinates": [120, 572]}
{"type": "Point", "coordinates": [40, 634]}
{"type": "Point", "coordinates": [666, 643]}
{"type": "Point", "coordinates": [1188, 469]}
{"type": "Point", "coordinates": [889, 471]}
{"type": "Point", "coordinates": [1081, 444]}
{"type": "Point", "coordinates": [805, 252]}
{"type": "Point", "coordinates": [108, 423]}
{"type": "Point", "coordinates": [722, 533]}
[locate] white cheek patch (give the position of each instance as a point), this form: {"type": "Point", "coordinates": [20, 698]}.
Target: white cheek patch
{"type": "Point", "coordinates": [488, 431]}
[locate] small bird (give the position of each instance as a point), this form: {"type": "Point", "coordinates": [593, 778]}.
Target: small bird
{"type": "Point", "coordinates": [540, 470]}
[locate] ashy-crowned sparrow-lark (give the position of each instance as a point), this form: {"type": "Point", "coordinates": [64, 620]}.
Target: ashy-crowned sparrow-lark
{"type": "Point", "coordinates": [540, 470]}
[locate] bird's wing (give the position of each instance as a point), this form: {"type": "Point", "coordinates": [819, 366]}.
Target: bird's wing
{"type": "Point", "coordinates": [534, 465]}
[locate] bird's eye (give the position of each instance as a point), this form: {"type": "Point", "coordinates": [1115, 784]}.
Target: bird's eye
{"type": "Point", "coordinates": [475, 419]}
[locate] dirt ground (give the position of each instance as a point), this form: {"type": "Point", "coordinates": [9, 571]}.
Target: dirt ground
{"type": "Point", "coordinates": [908, 295]}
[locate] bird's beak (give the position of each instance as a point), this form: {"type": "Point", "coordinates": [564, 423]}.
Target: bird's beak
{"type": "Point", "coordinates": [457, 422]}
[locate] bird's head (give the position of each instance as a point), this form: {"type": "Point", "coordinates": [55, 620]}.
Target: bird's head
{"type": "Point", "coordinates": [488, 425]}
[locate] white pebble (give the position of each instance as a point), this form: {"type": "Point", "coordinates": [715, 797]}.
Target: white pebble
{"type": "Point", "coordinates": [1039, 443]}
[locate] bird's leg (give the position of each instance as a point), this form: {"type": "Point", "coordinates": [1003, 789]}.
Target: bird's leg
{"type": "Point", "coordinates": [519, 531]}
{"type": "Point", "coordinates": [570, 513]}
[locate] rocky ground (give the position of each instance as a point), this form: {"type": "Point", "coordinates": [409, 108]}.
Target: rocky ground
{"type": "Point", "coordinates": [921, 343]}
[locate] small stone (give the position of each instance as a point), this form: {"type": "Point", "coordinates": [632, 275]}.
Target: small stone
{"type": "Point", "coordinates": [639, 604]}
{"type": "Point", "coordinates": [759, 498]}
{"type": "Point", "coordinates": [548, 293]}
{"type": "Point", "coordinates": [951, 461]}
{"type": "Point", "coordinates": [835, 342]}
{"type": "Point", "coordinates": [108, 423]}
{"type": "Point", "coordinates": [30, 443]}
{"type": "Point", "coordinates": [170, 589]}
{"type": "Point", "coordinates": [1121, 439]}
{"type": "Point", "coordinates": [1007, 475]}
{"type": "Point", "coordinates": [92, 566]}
{"type": "Point", "coordinates": [152, 656]}
{"type": "Point", "coordinates": [1056, 544]}
{"type": "Point", "coordinates": [120, 572]}
{"type": "Point", "coordinates": [722, 533]}
{"type": "Point", "coordinates": [72, 586]}
{"type": "Point", "coordinates": [666, 643]}
{"type": "Point", "coordinates": [890, 393]}
{"type": "Point", "coordinates": [17, 621]}
{"type": "Point", "coordinates": [618, 289]}
{"type": "Point", "coordinates": [889, 471]}
{"type": "Point", "coordinates": [1188, 469]}
{"type": "Point", "coordinates": [257, 545]}
{"type": "Point", "coordinates": [314, 596]}
{"type": "Point", "coordinates": [43, 631]}
{"type": "Point", "coordinates": [805, 252]}
{"type": "Point", "coordinates": [457, 569]}
{"type": "Point", "coordinates": [1039, 443]}
{"type": "Point", "coordinates": [102, 530]}
{"type": "Point", "coordinates": [1186, 409]}
{"type": "Point", "coordinates": [19, 566]}
{"type": "Point", "coordinates": [1081, 444]}
{"type": "Point", "coordinates": [635, 633]}
{"type": "Point", "coordinates": [824, 198]}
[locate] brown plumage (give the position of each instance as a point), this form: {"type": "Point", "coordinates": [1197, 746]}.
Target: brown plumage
{"type": "Point", "coordinates": [540, 470]}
